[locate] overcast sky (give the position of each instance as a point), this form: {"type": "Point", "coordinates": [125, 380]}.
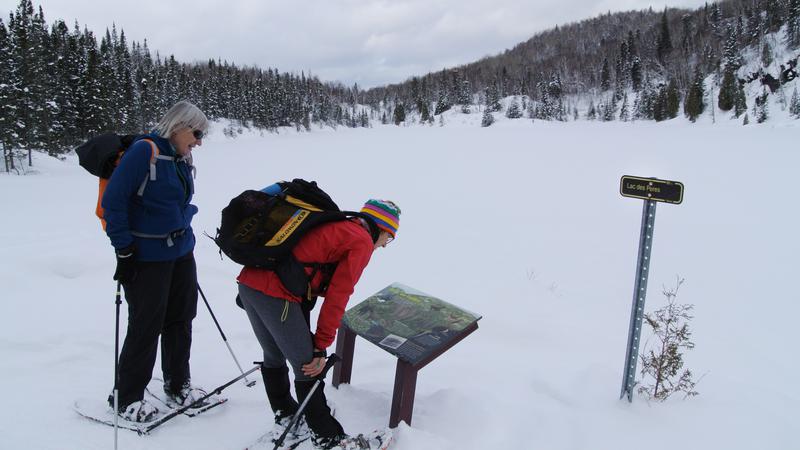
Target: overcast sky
{"type": "Point", "coordinates": [369, 42]}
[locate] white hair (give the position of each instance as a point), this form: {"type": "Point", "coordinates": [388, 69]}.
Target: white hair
{"type": "Point", "coordinates": [182, 114]}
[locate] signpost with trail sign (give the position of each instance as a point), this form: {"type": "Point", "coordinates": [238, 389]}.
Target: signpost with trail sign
{"type": "Point", "coordinates": [651, 190]}
{"type": "Point", "coordinates": [411, 325]}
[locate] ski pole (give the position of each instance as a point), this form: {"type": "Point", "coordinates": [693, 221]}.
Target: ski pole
{"type": "Point", "coordinates": [247, 382]}
{"type": "Point", "coordinates": [183, 409]}
{"type": "Point", "coordinates": [333, 359]}
{"type": "Point", "coordinates": [116, 365]}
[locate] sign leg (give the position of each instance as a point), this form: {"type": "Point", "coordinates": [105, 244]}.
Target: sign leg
{"type": "Point", "coordinates": [345, 348]}
{"type": "Point", "coordinates": [405, 385]}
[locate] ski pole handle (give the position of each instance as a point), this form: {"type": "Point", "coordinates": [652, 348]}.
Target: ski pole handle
{"type": "Point", "coordinates": [332, 360]}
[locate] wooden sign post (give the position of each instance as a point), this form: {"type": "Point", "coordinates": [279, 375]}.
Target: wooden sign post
{"type": "Point", "coordinates": [411, 325]}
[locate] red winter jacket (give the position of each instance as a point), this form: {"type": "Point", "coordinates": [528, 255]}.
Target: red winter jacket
{"type": "Point", "coordinates": [344, 242]}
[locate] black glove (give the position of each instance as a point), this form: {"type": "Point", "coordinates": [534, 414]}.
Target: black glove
{"type": "Point", "coordinates": [126, 265]}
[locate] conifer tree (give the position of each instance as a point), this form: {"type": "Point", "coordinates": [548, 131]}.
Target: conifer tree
{"type": "Point", "coordinates": [793, 23]}
{"type": "Point", "coordinates": [493, 98]}
{"type": "Point", "coordinates": [425, 114]}
{"type": "Point", "coordinates": [766, 54]}
{"type": "Point", "coordinates": [591, 112]}
{"type": "Point", "coordinates": [488, 118]}
{"type": "Point", "coordinates": [605, 76]}
{"type": "Point", "coordinates": [694, 105]}
{"type": "Point", "coordinates": [662, 365]}
{"type": "Point", "coordinates": [660, 104]}
{"type": "Point", "coordinates": [399, 114]}
{"type": "Point", "coordinates": [762, 107]}
{"type": "Point", "coordinates": [794, 105]}
{"type": "Point", "coordinates": [124, 103]}
{"type": "Point", "coordinates": [731, 63]}
{"type": "Point", "coordinates": [664, 43]}
{"type": "Point", "coordinates": [43, 67]}
{"type": "Point", "coordinates": [609, 110]}
{"type": "Point", "coordinates": [90, 108]}
{"type": "Point", "coordinates": [636, 74]}
{"type": "Point", "coordinates": [22, 77]}
{"type": "Point", "coordinates": [465, 96]}
{"type": "Point", "coordinates": [7, 110]}
{"type": "Point", "coordinates": [442, 102]}
{"type": "Point", "coordinates": [673, 100]}
{"type": "Point", "coordinates": [773, 12]}
{"type": "Point", "coordinates": [66, 69]}
{"type": "Point", "coordinates": [624, 113]}
{"type": "Point", "coordinates": [740, 101]}
{"type": "Point", "coordinates": [513, 111]}
{"type": "Point", "coordinates": [727, 91]}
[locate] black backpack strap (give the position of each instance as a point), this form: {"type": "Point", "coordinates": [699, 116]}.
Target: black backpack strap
{"type": "Point", "coordinates": [326, 269]}
{"type": "Point", "coordinates": [374, 231]}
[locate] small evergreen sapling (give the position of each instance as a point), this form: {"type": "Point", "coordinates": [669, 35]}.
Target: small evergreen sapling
{"type": "Point", "coordinates": [488, 118]}
{"type": "Point", "coordinates": [661, 367]}
{"type": "Point", "coordinates": [513, 111]}
{"type": "Point", "coordinates": [761, 107]}
{"type": "Point", "coordinates": [794, 105]}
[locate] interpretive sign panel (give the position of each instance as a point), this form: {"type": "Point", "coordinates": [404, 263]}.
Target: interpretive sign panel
{"type": "Point", "coordinates": [408, 323]}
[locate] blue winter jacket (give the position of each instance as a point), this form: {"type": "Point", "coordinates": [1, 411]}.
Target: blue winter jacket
{"type": "Point", "coordinates": [159, 219]}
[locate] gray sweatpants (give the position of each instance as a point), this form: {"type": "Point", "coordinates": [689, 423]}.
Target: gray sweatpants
{"type": "Point", "coordinates": [281, 330]}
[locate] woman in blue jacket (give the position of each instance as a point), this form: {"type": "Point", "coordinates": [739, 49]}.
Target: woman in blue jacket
{"type": "Point", "coordinates": [148, 213]}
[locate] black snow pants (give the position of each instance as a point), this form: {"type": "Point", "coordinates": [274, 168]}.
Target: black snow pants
{"type": "Point", "coordinates": [162, 300]}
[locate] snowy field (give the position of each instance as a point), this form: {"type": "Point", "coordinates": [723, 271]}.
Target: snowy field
{"type": "Point", "coordinates": [522, 223]}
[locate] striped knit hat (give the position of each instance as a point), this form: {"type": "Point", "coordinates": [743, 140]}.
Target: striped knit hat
{"type": "Point", "coordinates": [385, 213]}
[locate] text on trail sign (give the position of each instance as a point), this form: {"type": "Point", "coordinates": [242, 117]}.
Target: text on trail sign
{"type": "Point", "coordinates": [651, 189]}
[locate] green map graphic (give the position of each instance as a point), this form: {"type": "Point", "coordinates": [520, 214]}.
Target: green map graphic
{"type": "Point", "coordinates": [406, 322]}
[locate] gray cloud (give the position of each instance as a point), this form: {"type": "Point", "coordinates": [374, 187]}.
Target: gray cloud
{"type": "Point", "coordinates": [369, 42]}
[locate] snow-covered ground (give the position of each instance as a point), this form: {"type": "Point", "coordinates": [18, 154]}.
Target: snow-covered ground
{"type": "Point", "coordinates": [522, 223]}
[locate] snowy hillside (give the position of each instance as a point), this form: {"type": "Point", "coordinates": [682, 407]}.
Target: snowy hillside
{"type": "Point", "coordinates": [520, 222]}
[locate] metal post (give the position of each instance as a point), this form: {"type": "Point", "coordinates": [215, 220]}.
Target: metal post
{"type": "Point", "coordinates": [639, 293]}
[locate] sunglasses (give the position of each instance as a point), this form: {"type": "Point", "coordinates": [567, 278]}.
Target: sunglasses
{"type": "Point", "coordinates": [198, 134]}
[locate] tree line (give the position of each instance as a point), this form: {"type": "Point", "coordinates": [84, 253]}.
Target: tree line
{"type": "Point", "coordinates": [638, 65]}
{"type": "Point", "coordinates": [59, 86]}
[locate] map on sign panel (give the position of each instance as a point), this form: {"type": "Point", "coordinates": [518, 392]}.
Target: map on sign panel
{"type": "Point", "coordinates": [408, 323]}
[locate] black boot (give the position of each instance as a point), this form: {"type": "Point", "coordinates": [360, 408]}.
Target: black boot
{"type": "Point", "coordinates": [325, 429]}
{"type": "Point", "coordinates": [276, 383]}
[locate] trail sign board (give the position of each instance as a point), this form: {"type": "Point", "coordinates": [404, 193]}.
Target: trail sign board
{"type": "Point", "coordinates": [651, 189]}
{"type": "Point", "coordinates": [409, 324]}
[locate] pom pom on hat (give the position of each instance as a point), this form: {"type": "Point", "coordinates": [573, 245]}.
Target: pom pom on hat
{"type": "Point", "coordinates": [385, 213]}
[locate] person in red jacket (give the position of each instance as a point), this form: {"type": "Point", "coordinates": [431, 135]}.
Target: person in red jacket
{"type": "Point", "coordinates": [281, 323]}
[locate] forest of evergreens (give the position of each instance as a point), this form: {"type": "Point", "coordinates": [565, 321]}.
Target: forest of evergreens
{"type": "Point", "coordinates": [61, 84]}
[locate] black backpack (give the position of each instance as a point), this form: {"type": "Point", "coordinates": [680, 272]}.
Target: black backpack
{"type": "Point", "coordinates": [99, 154]}
{"type": "Point", "coordinates": [260, 230]}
